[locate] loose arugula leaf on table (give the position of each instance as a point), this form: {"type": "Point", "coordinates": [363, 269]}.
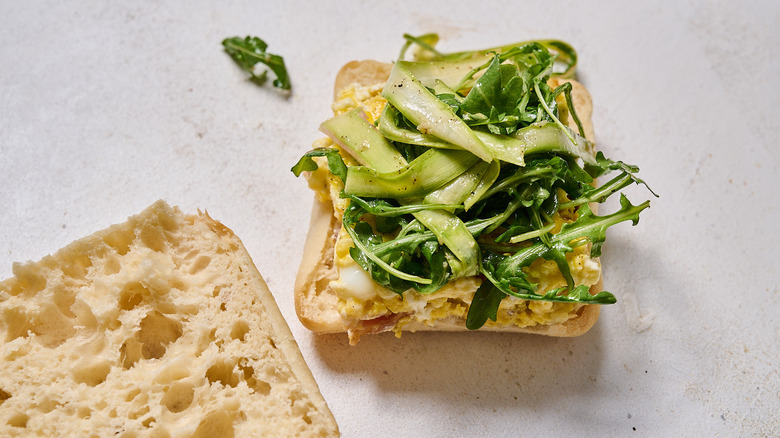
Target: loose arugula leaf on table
{"type": "Point", "coordinates": [249, 51]}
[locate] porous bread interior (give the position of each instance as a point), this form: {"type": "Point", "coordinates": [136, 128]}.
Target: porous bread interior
{"type": "Point", "coordinates": [160, 326]}
{"type": "Point", "coordinates": [316, 303]}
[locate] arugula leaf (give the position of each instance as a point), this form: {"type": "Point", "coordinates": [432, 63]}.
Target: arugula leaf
{"type": "Point", "coordinates": [335, 162]}
{"type": "Point", "coordinates": [587, 228]}
{"type": "Point", "coordinates": [484, 305]}
{"type": "Point", "coordinates": [603, 165]}
{"type": "Point", "coordinates": [498, 99]}
{"type": "Point", "coordinates": [249, 51]}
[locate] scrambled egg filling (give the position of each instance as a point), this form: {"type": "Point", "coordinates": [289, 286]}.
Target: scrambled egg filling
{"type": "Point", "coordinates": [362, 299]}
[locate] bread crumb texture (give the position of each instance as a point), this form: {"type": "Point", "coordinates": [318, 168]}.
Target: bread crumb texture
{"type": "Point", "coordinates": [155, 327]}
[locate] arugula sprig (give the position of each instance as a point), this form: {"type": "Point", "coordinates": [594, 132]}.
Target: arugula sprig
{"type": "Point", "coordinates": [249, 51]}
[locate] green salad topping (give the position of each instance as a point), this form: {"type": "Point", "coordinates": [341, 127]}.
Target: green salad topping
{"type": "Point", "coordinates": [464, 171]}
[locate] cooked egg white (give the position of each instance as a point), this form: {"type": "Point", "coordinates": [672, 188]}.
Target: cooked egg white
{"type": "Point", "coordinates": [362, 299]}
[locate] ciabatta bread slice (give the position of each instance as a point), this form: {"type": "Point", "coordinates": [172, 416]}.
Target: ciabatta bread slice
{"type": "Point", "coordinates": [316, 302]}
{"type": "Point", "coordinates": [160, 326]}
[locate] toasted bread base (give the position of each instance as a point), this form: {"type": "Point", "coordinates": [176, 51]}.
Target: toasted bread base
{"type": "Point", "coordinates": [316, 303]}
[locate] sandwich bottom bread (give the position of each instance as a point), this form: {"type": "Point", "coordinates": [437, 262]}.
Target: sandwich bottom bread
{"type": "Point", "coordinates": [333, 294]}
{"type": "Point", "coordinates": [160, 326]}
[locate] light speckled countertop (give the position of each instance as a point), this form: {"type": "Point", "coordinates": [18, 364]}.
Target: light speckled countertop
{"type": "Point", "coordinates": [104, 109]}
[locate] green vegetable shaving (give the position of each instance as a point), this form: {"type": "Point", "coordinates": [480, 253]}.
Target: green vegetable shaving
{"type": "Point", "coordinates": [249, 51]}
{"type": "Point", "coordinates": [466, 170]}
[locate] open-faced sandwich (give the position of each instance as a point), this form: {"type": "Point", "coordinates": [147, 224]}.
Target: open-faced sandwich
{"type": "Point", "coordinates": [457, 191]}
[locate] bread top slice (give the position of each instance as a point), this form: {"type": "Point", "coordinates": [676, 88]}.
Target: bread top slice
{"type": "Point", "coordinates": [159, 326]}
{"type": "Point", "coordinates": [316, 303]}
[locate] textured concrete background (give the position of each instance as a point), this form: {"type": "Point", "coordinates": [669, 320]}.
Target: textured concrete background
{"type": "Point", "coordinates": [104, 109]}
